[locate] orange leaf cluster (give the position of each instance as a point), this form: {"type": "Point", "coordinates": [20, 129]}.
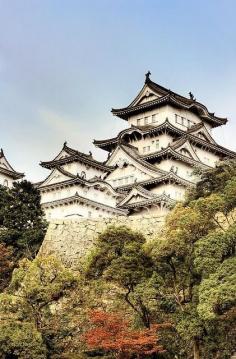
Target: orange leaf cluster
{"type": "Point", "coordinates": [111, 333]}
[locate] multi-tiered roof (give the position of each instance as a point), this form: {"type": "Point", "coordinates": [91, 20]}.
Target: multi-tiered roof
{"type": "Point", "coordinates": [182, 148]}
{"type": "Point", "coordinates": [6, 169]}
{"type": "Point", "coordinates": [165, 97]}
{"type": "Point", "coordinates": [150, 164]}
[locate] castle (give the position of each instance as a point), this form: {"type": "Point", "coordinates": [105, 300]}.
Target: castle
{"type": "Point", "coordinates": [149, 165]}
{"type": "Point", "coordinates": [7, 173]}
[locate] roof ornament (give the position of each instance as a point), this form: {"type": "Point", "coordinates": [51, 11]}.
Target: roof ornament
{"type": "Point", "coordinates": [64, 144]}
{"type": "Point", "coordinates": [147, 77]}
{"type": "Point", "coordinates": [90, 154]}
{"type": "Point", "coordinates": [1, 152]}
{"type": "Point", "coordinates": [191, 96]}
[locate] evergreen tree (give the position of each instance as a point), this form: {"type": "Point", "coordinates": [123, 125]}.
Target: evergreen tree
{"type": "Point", "coordinates": [23, 219]}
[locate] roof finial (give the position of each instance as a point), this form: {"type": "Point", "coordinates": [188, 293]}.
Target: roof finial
{"type": "Point", "coordinates": [147, 76]}
{"type": "Point", "coordinates": [64, 144]}
{"type": "Point", "coordinates": [191, 96]}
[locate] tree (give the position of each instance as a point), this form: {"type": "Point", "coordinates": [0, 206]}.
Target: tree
{"type": "Point", "coordinates": [120, 258]}
{"type": "Point", "coordinates": [4, 198]}
{"type": "Point", "coordinates": [28, 311]}
{"type": "Point", "coordinates": [6, 265]}
{"type": "Point", "coordinates": [112, 333]}
{"type": "Point", "coordinates": [23, 219]}
{"type": "Point", "coordinates": [195, 265]}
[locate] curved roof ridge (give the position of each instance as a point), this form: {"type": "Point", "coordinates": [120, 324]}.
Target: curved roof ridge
{"type": "Point", "coordinates": [165, 94]}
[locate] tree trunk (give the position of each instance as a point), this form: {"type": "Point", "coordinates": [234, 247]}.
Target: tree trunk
{"type": "Point", "coordinates": [196, 350]}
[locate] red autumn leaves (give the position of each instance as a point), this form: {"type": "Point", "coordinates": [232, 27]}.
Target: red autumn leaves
{"type": "Point", "coordinates": [110, 332]}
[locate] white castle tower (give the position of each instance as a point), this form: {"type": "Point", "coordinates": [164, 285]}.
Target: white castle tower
{"type": "Point", "coordinates": [150, 164]}
{"type": "Point", "coordinates": [7, 173]}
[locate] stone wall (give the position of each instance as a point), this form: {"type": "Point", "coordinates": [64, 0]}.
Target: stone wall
{"type": "Point", "coordinates": [71, 240]}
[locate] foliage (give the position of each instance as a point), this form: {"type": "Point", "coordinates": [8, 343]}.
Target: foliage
{"type": "Point", "coordinates": [186, 276]}
{"type": "Point", "coordinates": [110, 332]}
{"type": "Point", "coordinates": [121, 259]}
{"type": "Point", "coordinates": [27, 312]}
{"type": "Point", "coordinates": [22, 218]}
{"type": "Point", "coordinates": [4, 198]}
{"type": "Point", "coordinates": [6, 265]}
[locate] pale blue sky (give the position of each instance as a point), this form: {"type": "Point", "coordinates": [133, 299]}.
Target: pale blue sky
{"type": "Point", "coordinates": [65, 63]}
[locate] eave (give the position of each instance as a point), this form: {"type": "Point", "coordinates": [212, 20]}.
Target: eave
{"type": "Point", "coordinates": [174, 99]}
{"type": "Point", "coordinates": [12, 174]}
{"type": "Point", "coordinates": [152, 201]}
{"type": "Point", "coordinates": [197, 141]}
{"type": "Point", "coordinates": [169, 177]}
{"type": "Point", "coordinates": [169, 151]}
{"type": "Point", "coordinates": [76, 158]}
{"type": "Point", "coordinates": [79, 199]}
{"type": "Point", "coordinates": [143, 130]}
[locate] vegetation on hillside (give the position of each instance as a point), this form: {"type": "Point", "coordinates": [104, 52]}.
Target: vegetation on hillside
{"type": "Point", "coordinates": [173, 297]}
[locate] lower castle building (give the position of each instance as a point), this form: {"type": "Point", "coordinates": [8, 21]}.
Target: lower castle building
{"type": "Point", "coordinates": [149, 165]}
{"type": "Point", "coordinates": [7, 173]}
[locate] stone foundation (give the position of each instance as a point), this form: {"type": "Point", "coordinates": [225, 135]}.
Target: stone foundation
{"type": "Point", "coordinates": [71, 240]}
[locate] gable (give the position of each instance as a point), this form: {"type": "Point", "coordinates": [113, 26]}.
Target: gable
{"type": "Point", "coordinates": [187, 150]}
{"type": "Point", "coordinates": [61, 155]}
{"type": "Point", "coordinates": [122, 157]}
{"type": "Point", "coordinates": [4, 164]}
{"type": "Point", "coordinates": [145, 95]}
{"type": "Point", "coordinates": [204, 135]}
{"type": "Point", "coordinates": [55, 176]}
{"type": "Point", "coordinates": [127, 175]}
{"type": "Point", "coordinates": [136, 195]}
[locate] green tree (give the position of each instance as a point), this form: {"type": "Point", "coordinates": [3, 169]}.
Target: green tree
{"type": "Point", "coordinates": [120, 258]}
{"type": "Point", "coordinates": [4, 198]}
{"type": "Point", "coordinates": [22, 219]}
{"type": "Point", "coordinates": [195, 261]}
{"type": "Point", "coordinates": [31, 321]}
{"type": "Point", "coordinates": [6, 265]}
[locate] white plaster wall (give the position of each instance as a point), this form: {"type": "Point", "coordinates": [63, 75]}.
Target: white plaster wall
{"type": "Point", "coordinates": [105, 197]}
{"type": "Point", "coordinates": [175, 191]}
{"type": "Point", "coordinates": [184, 170]}
{"type": "Point", "coordinates": [6, 180]}
{"type": "Point", "coordinates": [77, 167]}
{"type": "Point", "coordinates": [75, 210]}
{"type": "Point", "coordinates": [167, 111]}
{"type": "Point", "coordinates": [126, 175]}
{"type": "Point", "coordinates": [164, 141]}
{"type": "Point", "coordinates": [206, 157]}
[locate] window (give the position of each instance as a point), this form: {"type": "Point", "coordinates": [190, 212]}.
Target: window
{"type": "Point", "coordinates": [5, 183]}
{"type": "Point", "coordinates": [184, 121]}
{"type": "Point", "coordinates": [83, 175]}
{"type": "Point", "coordinates": [131, 179]}
{"type": "Point", "coordinates": [154, 118]}
{"type": "Point", "coordinates": [146, 149]}
{"type": "Point", "coordinates": [145, 120]}
{"type": "Point", "coordinates": [157, 144]}
{"type": "Point", "coordinates": [139, 122]}
{"type": "Point", "coordinates": [114, 182]}
{"type": "Point", "coordinates": [120, 181]}
{"type": "Point", "coordinates": [89, 214]}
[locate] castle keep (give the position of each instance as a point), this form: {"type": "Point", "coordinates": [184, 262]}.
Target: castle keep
{"type": "Point", "coordinates": [149, 165]}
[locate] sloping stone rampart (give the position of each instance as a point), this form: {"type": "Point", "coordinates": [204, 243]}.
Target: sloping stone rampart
{"type": "Point", "coordinates": [71, 240]}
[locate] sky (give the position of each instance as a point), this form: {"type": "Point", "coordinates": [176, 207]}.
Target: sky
{"type": "Point", "coordinates": [65, 63]}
